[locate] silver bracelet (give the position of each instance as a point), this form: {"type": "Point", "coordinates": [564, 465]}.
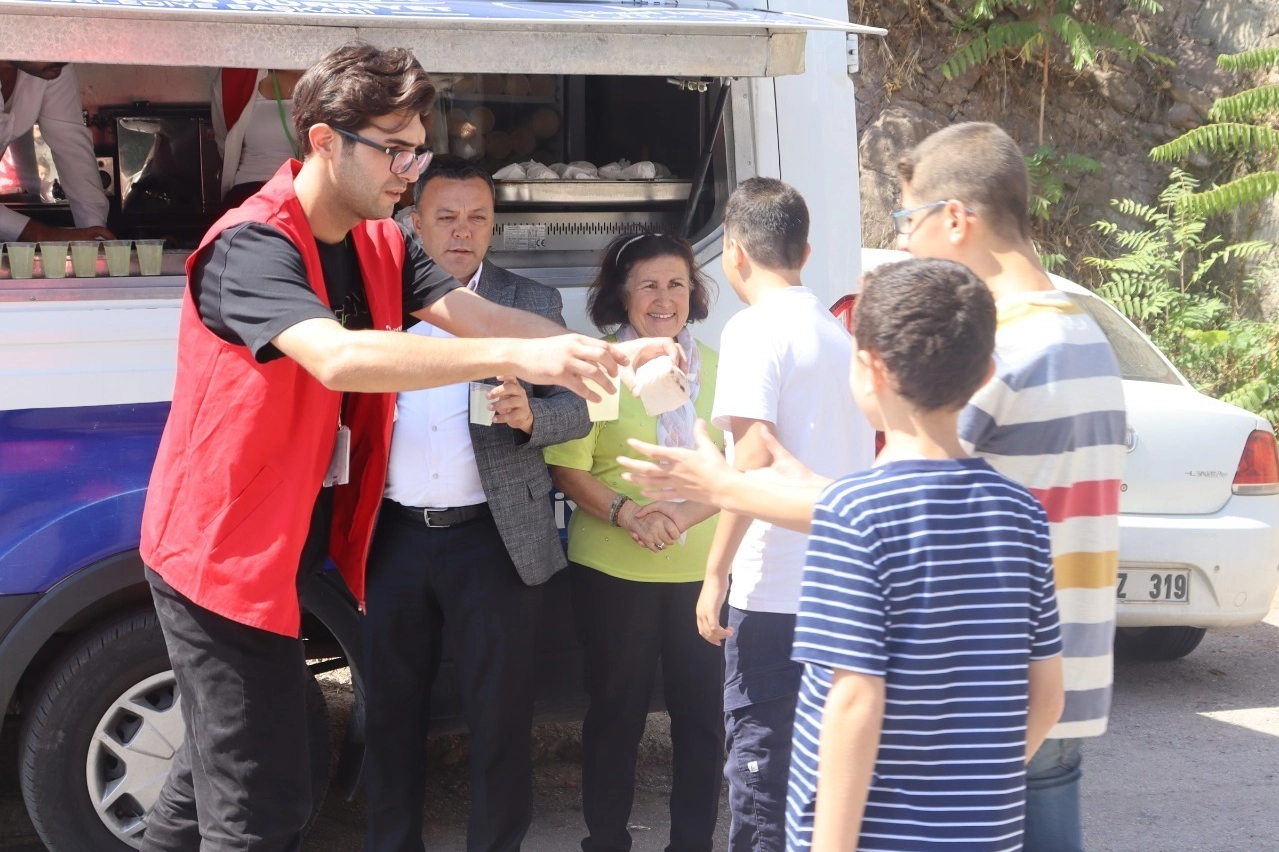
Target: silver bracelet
{"type": "Point", "coordinates": [615, 507]}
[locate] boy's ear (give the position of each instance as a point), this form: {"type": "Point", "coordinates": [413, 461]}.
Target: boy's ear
{"type": "Point", "coordinates": [873, 372]}
{"type": "Point", "coordinates": [808, 252]}
{"type": "Point", "coordinates": [959, 221]}
{"type": "Point", "coordinates": [734, 255]}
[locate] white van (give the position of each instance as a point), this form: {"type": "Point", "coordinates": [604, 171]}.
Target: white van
{"type": "Point", "coordinates": [715, 92]}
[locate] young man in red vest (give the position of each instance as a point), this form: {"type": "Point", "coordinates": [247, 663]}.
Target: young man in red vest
{"type": "Point", "coordinates": [274, 456]}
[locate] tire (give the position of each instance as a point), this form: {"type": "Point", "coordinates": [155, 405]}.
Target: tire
{"type": "Point", "coordinates": [98, 738]}
{"type": "Point", "coordinates": [1157, 643]}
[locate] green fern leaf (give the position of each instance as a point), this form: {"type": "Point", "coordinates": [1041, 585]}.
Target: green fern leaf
{"type": "Point", "coordinates": [1012, 36]}
{"type": "Point", "coordinates": [1222, 137]}
{"type": "Point", "coordinates": [1249, 189]}
{"type": "Point", "coordinates": [1260, 102]}
{"type": "Point", "coordinates": [1110, 39]}
{"type": "Point", "coordinates": [1080, 47]}
{"type": "Point", "coordinates": [1250, 60]}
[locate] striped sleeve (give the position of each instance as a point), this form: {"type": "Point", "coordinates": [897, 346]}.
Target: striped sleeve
{"type": "Point", "coordinates": [841, 620]}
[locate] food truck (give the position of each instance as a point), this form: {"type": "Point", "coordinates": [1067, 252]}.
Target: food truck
{"type": "Point", "coordinates": [706, 92]}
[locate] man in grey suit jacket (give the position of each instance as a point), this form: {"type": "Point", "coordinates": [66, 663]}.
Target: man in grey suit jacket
{"type": "Point", "coordinates": [465, 538]}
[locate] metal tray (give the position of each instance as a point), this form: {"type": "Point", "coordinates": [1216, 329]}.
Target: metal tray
{"type": "Point", "coordinates": [594, 192]}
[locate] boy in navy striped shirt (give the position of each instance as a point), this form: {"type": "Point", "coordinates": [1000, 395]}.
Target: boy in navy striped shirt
{"type": "Point", "coordinates": [928, 621]}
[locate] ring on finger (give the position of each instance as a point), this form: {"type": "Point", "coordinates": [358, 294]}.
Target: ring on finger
{"type": "Point", "coordinates": [661, 546]}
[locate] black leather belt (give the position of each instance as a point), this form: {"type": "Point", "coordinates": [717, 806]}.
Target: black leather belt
{"type": "Point", "coordinates": [438, 518]}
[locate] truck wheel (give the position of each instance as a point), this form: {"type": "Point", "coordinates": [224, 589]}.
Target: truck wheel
{"type": "Point", "coordinates": [1158, 643]}
{"type": "Point", "coordinates": [98, 738]}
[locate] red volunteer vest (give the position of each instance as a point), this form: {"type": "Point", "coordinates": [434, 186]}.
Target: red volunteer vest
{"type": "Point", "coordinates": [247, 445]}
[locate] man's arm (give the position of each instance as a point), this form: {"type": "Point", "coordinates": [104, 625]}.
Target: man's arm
{"type": "Point", "coordinates": [783, 493]}
{"type": "Point", "coordinates": [749, 452]}
{"type": "Point", "coordinates": [465, 314]}
{"type": "Point", "coordinates": [1047, 700]}
{"type": "Point", "coordinates": [62, 126]}
{"type": "Point", "coordinates": [846, 752]}
{"type": "Point", "coordinates": [388, 361]}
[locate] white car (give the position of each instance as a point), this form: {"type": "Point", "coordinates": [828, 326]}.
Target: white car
{"type": "Point", "coordinates": [1199, 509]}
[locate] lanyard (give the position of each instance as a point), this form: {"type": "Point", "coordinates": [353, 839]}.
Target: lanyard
{"type": "Point", "coordinates": [284, 122]}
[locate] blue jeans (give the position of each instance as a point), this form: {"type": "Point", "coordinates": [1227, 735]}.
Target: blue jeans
{"type": "Point", "coordinates": [1052, 798]}
{"type": "Point", "coordinates": [761, 686]}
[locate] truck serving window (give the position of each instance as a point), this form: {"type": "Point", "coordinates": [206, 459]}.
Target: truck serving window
{"type": "Point", "coordinates": [578, 160]}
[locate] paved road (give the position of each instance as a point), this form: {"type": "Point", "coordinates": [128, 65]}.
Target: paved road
{"type": "Point", "coordinates": [1191, 765]}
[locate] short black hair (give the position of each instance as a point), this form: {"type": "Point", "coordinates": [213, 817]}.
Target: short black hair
{"type": "Point", "coordinates": [450, 167]}
{"type": "Point", "coordinates": [606, 302]}
{"type": "Point", "coordinates": [932, 322]}
{"type": "Point", "coordinates": [770, 220]}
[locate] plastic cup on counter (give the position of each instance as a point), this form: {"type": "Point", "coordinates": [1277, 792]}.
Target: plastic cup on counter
{"type": "Point", "coordinates": [117, 252]}
{"type": "Point", "coordinates": [53, 259]}
{"type": "Point", "coordinates": [150, 256]}
{"type": "Point", "coordinates": [84, 258]}
{"type": "Point", "coordinates": [22, 259]}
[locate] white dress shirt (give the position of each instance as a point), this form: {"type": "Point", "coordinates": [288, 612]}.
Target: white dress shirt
{"type": "Point", "coordinates": [432, 462]}
{"type": "Point", "coordinates": [55, 106]}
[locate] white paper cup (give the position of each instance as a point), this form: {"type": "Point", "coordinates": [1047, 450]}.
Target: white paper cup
{"type": "Point", "coordinates": [480, 413]}
{"type": "Point", "coordinates": [150, 256]}
{"type": "Point", "coordinates": [53, 260]}
{"type": "Point", "coordinates": [84, 258]}
{"type": "Point", "coordinates": [22, 259]}
{"type": "Point", "coordinates": [117, 252]}
{"type": "Point", "coordinates": [606, 408]}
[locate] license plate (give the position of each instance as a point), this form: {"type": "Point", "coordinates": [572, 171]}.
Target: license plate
{"type": "Point", "coordinates": [1154, 587]}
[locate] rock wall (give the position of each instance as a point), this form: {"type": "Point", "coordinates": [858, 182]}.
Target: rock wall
{"type": "Point", "coordinates": [1114, 112]}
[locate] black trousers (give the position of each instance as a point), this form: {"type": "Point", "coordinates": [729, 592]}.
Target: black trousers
{"type": "Point", "coordinates": [626, 629]}
{"type": "Point", "coordinates": [422, 585]}
{"type": "Point", "coordinates": [241, 779]}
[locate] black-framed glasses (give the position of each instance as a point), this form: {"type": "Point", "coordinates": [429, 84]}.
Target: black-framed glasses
{"type": "Point", "coordinates": [402, 162]}
{"type": "Point", "coordinates": [904, 225]}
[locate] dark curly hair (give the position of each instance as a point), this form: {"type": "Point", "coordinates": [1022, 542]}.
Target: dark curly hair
{"type": "Point", "coordinates": [932, 322]}
{"type": "Point", "coordinates": [606, 304]}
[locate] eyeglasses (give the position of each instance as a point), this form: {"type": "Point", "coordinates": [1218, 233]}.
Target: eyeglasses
{"type": "Point", "coordinates": [402, 162]}
{"type": "Point", "coordinates": [905, 226]}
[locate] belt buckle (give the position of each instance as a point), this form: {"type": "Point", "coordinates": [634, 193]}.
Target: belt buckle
{"type": "Point", "coordinates": [426, 518]}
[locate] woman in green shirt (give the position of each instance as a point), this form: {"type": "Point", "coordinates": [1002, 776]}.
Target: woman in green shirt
{"type": "Point", "coordinates": [637, 566]}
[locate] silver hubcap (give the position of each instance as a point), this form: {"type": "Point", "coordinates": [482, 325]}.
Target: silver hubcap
{"type": "Point", "coordinates": [130, 753]}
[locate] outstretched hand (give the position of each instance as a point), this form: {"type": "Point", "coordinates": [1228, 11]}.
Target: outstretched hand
{"type": "Point", "coordinates": [568, 360]}
{"type": "Point", "coordinates": [633, 354]}
{"type": "Point", "coordinates": [676, 473]}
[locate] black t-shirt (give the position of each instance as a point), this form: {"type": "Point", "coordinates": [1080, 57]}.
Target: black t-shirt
{"type": "Point", "coordinates": [251, 285]}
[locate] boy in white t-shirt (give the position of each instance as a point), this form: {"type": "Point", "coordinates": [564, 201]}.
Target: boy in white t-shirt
{"type": "Point", "coordinates": [784, 364]}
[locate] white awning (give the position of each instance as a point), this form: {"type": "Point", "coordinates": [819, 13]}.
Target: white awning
{"type": "Point", "coordinates": [666, 37]}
